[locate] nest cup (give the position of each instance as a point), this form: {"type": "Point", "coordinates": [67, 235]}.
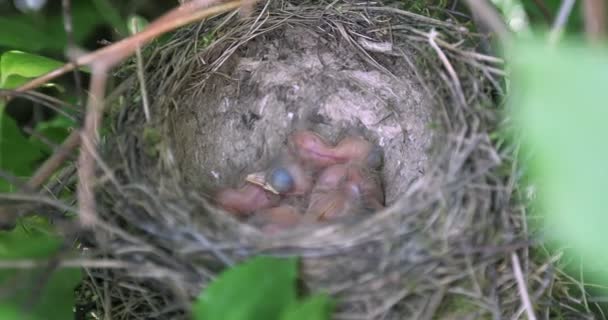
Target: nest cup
{"type": "Point", "coordinates": [223, 95]}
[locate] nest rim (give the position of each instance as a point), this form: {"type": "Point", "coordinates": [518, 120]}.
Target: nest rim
{"type": "Point", "coordinates": [463, 156]}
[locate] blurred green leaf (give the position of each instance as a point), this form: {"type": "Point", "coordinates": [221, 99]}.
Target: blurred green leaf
{"type": "Point", "coordinates": [514, 14]}
{"type": "Point", "coordinates": [536, 15]}
{"type": "Point", "coordinates": [51, 296]}
{"type": "Point", "coordinates": [560, 102]}
{"type": "Point", "coordinates": [9, 312]}
{"type": "Point", "coordinates": [260, 288]}
{"type": "Point", "coordinates": [36, 224]}
{"type": "Point", "coordinates": [35, 32]}
{"type": "Point", "coordinates": [55, 130]}
{"type": "Point", "coordinates": [26, 242]}
{"type": "Point", "coordinates": [16, 67]}
{"type": "Point", "coordinates": [317, 307]}
{"type": "Point", "coordinates": [57, 298]}
{"type": "Point", "coordinates": [17, 155]}
{"type": "Point", "coordinates": [22, 34]}
{"type": "Point", "coordinates": [111, 15]}
{"type": "Point", "coordinates": [85, 19]}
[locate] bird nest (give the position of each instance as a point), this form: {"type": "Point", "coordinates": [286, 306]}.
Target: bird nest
{"type": "Point", "coordinates": [217, 100]}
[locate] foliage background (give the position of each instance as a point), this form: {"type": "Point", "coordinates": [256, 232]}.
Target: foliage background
{"type": "Point", "coordinates": [556, 111]}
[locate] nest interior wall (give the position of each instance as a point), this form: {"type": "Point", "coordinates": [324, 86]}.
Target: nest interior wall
{"type": "Point", "coordinates": [237, 120]}
{"type": "Point", "coordinates": [237, 99]}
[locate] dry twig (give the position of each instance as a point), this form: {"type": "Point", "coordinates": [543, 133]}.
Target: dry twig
{"type": "Point", "coordinates": [116, 52]}
{"type": "Point", "coordinates": [140, 77]}
{"type": "Point", "coordinates": [561, 20]}
{"type": "Point", "coordinates": [490, 18]}
{"type": "Point", "coordinates": [521, 285]}
{"type": "Point", "coordinates": [542, 6]}
{"type": "Point", "coordinates": [448, 66]}
{"type": "Point", "coordinates": [101, 62]}
{"type": "Point", "coordinates": [595, 19]}
{"type": "Point", "coordinates": [68, 27]}
{"type": "Point", "coordinates": [64, 263]}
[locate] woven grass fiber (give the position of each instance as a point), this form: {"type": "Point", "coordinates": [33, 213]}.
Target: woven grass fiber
{"type": "Point", "coordinates": [222, 96]}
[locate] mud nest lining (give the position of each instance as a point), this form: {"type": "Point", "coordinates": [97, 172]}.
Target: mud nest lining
{"type": "Point", "coordinates": [224, 95]}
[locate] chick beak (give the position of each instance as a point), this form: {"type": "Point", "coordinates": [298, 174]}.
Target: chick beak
{"type": "Point", "coordinates": [259, 178]}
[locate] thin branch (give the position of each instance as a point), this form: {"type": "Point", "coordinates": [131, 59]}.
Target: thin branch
{"type": "Point", "coordinates": [490, 18]}
{"type": "Point", "coordinates": [54, 161]}
{"type": "Point", "coordinates": [69, 32]}
{"type": "Point", "coordinates": [100, 68]}
{"type": "Point", "coordinates": [85, 144]}
{"type": "Point", "coordinates": [141, 78]}
{"type": "Point", "coordinates": [50, 99]}
{"type": "Point", "coordinates": [35, 83]}
{"type": "Point", "coordinates": [13, 180]}
{"type": "Point", "coordinates": [542, 6]}
{"type": "Point", "coordinates": [40, 137]}
{"type": "Point", "coordinates": [86, 163]}
{"type": "Point", "coordinates": [40, 98]}
{"type": "Point", "coordinates": [74, 263]}
{"type": "Point", "coordinates": [521, 285]}
{"type": "Point", "coordinates": [35, 198]}
{"type": "Point", "coordinates": [448, 66]}
{"type": "Point", "coordinates": [10, 212]}
{"type": "Point", "coordinates": [595, 19]}
{"type": "Point", "coordinates": [560, 21]}
{"type": "Point", "coordinates": [419, 17]}
{"type": "Point", "coordinates": [101, 61]}
{"type": "Point", "coordinates": [118, 51]}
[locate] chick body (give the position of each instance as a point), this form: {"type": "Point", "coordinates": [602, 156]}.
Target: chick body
{"type": "Point", "coordinates": [245, 200]}
{"type": "Point", "coordinates": [346, 183]}
{"type": "Point", "coordinates": [315, 151]}
{"type": "Point", "coordinates": [343, 189]}
{"type": "Point", "coordinates": [277, 219]}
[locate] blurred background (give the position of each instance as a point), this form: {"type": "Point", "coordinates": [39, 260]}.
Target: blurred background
{"type": "Point", "coordinates": [558, 102]}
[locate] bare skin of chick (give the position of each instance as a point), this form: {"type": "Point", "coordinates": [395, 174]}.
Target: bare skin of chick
{"type": "Point", "coordinates": [330, 205]}
{"type": "Point", "coordinates": [277, 219]}
{"type": "Point", "coordinates": [245, 200]}
{"type": "Point", "coordinates": [317, 152]}
{"type": "Point", "coordinates": [368, 184]}
{"type": "Point", "coordinates": [366, 181]}
{"type": "Point", "coordinates": [346, 185]}
{"type": "Point", "coordinates": [343, 189]}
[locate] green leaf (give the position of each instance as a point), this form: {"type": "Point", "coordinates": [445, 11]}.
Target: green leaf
{"type": "Point", "coordinates": [39, 32]}
{"type": "Point", "coordinates": [58, 296]}
{"type": "Point", "coordinates": [55, 300]}
{"type": "Point", "coordinates": [136, 24]}
{"type": "Point", "coordinates": [111, 15]}
{"type": "Point", "coordinates": [575, 21]}
{"type": "Point", "coordinates": [318, 307]}
{"type": "Point", "coordinates": [37, 224]}
{"type": "Point", "coordinates": [10, 312]}
{"type": "Point", "coordinates": [260, 288]}
{"type": "Point", "coordinates": [55, 130]}
{"type": "Point", "coordinates": [29, 240]}
{"type": "Point", "coordinates": [28, 36]}
{"type": "Point", "coordinates": [17, 155]}
{"type": "Point", "coordinates": [86, 17]}
{"type": "Point", "coordinates": [559, 103]}
{"type": "Point", "coordinates": [514, 14]}
{"type": "Point", "coordinates": [17, 66]}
